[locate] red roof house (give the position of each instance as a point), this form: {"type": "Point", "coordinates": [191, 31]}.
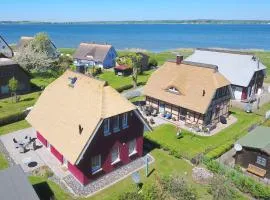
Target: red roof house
{"type": "Point", "coordinates": [88, 126]}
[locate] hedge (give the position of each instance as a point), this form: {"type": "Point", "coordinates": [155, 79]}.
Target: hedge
{"type": "Point", "coordinates": [243, 183]}
{"type": "Point", "coordinates": [217, 152]}
{"type": "Point", "coordinates": [125, 87]}
{"type": "Point", "coordinates": [13, 118]}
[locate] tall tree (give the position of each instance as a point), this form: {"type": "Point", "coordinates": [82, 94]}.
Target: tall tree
{"type": "Point", "coordinates": [13, 87]}
{"type": "Point", "coordinates": [35, 55]}
{"type": "Point", "coordinates": [134, 61]}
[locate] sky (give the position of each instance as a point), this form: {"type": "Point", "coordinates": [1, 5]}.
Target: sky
{"type": "Point", "coordinates": [119, 10]}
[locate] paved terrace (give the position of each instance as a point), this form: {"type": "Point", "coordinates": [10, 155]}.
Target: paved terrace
{"type": "Point", "coordinates": [159, 120]}
{"type": "Point", "coordinates": [41, 156]}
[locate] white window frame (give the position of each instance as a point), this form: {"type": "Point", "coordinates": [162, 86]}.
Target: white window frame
{"type": "Point", "coordinates": [261, 161]}
{"type": "Point", "coordinates": [134, 151]}
{"type": "Point", "coordinates": [96, 164]}
{"type": "Point", "coordinates": [106, 130]}
{"type": "Point", "coordinates": [116, 128]}
{"type": "Point", "coordinates": [116, 150]}
{"type": "Point", "coordinates": [125, 121]}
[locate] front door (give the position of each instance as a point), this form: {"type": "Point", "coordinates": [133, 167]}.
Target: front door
{"type": "Point", "coordinates": [161, 107]}
{"type": "Point", "coordinates": [65, 162]}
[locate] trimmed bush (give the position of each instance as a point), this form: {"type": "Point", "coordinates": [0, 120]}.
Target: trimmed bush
{"type": "Point", "coordinates": [13, 118]}
{"type": "Point", "coordinates": [217, 152]}
{"type": "Point", "coordinates": [152, 62]}
{"type": "Point", "coordinates": [125, 87]}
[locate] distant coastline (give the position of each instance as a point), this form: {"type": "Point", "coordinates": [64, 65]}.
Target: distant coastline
{"type": "Point", "coordinates": [205, 21]}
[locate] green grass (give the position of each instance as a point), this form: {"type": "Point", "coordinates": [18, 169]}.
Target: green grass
{"type": "Point", "coordinates": [42, 79]}
{"type": "Point", "coordinates": [14, 127]}
{"type": "Point", "coordinates": [121, 81]}
{"type": "Point", "coordinates": [265, 59]}
{"type": "Point", "coordinates": [191, 145]}
{"type": "Point", "coordinates": [3, 162]}
{"type": "Point", "coordinates": [7, 107]}
{"type": "Point", "coordinates": [135, 99]}
{"type": "Point", "coordinates": [67, 50]}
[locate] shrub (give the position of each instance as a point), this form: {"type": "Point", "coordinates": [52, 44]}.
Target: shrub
{"type": "Point", "coordinates": [221, 189]}
{"type": "Point", "coordinates": [217, 152]}
{"type": "Point", "coordinates": [152, 62]}
{"type": "Point", "coordinates": [43, 171]}
{"type": "Point", "coordinates": [177, 188]}
{"type": "Point", "coordinates": [125, 87]}
{"type": "Point", "coordinates": [242, 182]}
{"type": "Point", "coordinates": [13, 118]}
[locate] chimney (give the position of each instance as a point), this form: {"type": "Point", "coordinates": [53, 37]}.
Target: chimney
{"type": "Point", "coordinates": [179, 59]}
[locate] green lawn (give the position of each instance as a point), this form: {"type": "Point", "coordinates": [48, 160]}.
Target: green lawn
{"type": "Point", "coordinates": [265, 59]}
{"type": "Point", "coordinates": [3, 162]}
{"type": "Point", "coordinates": [118, 82]}
{"type": "Point", "coordinates": [14, 127]}
{"type": "Point", "coordinates": [7, 107]}
{"type": "Point", "coordinates": [69, 51]}
{"type": "Point", "coordinates": [42, 79]}
{"type": "Point", "coordinates": [135, 99]}
{"type": "Point", "coordinates": [191, 145]}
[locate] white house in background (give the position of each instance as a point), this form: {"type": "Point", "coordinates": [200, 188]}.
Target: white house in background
{"type": "Point", "coordinates": [91, 54]}
{"type": "Point", "coordinates": [244, 70]}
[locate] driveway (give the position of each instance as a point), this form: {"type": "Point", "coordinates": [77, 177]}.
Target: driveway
{"type": "Point", "coordinates": [134, 92]}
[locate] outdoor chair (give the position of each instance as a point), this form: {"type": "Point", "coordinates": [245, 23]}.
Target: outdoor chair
{"type": "Point", "coordinates": [15, 141]}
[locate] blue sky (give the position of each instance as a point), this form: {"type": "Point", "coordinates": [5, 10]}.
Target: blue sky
{"type": "Point", "coordinates": [102, 10]}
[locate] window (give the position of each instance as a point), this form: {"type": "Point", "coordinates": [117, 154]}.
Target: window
{"type": "Point", "coordinates": [125, 120]}
{"type": "Point", "coordinates": [115, 155]}
{"type": "Point", "coordinates": [173, 90]}
{"type": "Point", "coordinates": [261, 161]}
{"type": "Point", "coordinates": [116, 123]}
{"type": "Point", "coordinates": [106, 127]}
{"type": "Point", "coordinates": [132, 147]}
{"type": "Point", "coordinates": [96, 163]}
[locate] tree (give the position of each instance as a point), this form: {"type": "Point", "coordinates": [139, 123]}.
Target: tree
{"type": "Point", "coordinates": [36, 54]}
{"type": "Point", "coordinates": [134, 61]}
{"type": "Point", "coordinates": [13, 86]}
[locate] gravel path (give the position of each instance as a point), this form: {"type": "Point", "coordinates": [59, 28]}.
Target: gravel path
{"type": "Point", "coordinates": [106, 180]}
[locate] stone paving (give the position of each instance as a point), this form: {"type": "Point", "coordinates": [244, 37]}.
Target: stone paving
{"type": "Point", "coordinates": [42, 156]}
{"type": "Point", "coordinates": [159, 120]}
{"type": "Point", "coordinates": [106, 180]}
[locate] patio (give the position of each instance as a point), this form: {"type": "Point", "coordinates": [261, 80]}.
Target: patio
{"type": "Point", "coordinates": [32, 159]}
{"type": "Point", "coordinates": [157, 119]}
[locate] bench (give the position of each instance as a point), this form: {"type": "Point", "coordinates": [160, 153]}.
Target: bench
{"type": "Point", "coordinates": [256, 170]}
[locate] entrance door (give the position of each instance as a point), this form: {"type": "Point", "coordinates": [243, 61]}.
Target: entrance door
{"type": "Point", "coordinates": [65, 162]}
{"type": "Point", "coordinates": [161, 107]}
{"type": "Point", "coordinates": [48, 146]}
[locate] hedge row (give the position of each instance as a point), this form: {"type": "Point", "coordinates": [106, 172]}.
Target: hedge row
{"type": "Point", "coordinates": [125, 87]}
{"type": "Point", "coordinates": [243, 183]}
{"type": "Point", "coordinates": [217, 152]}
{"type": "Point", "coordinates": [13, 118]}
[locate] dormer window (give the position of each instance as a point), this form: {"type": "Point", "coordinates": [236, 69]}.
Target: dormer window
{"type": "Point", "coordinates": [173, 90]}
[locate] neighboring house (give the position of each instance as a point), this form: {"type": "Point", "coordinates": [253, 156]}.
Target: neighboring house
{"type": "Point", "coordinates": [5, 49]}
{"type": "Point", "coordinates": [194, 93]}
{"type": "Point", "coordinates": [91, 54]}
{"type": "Point", "coordinates": [88, 126]}
{"type": "Point", "coordinates": [244, 70]}
{"type": "Point", "coordinates": [8, 70]}
{"type": "Point", "coordinates": [255, 152]}
{"type": "Point", "coordinates": [24, 41]}
{"type": "Point", "coordinates": [14, 185]}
